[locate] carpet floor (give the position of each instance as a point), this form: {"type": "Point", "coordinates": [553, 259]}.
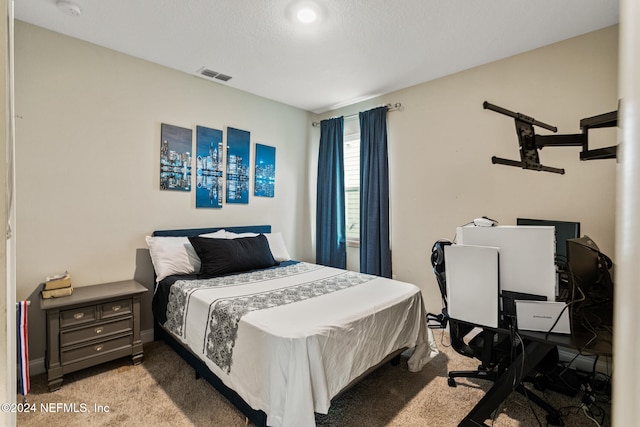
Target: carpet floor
{"type": "Point", "coordinates": [163, 391]}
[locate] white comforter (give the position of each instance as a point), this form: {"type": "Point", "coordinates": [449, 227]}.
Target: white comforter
{"type": "Point", "coordinates": [289, 360]}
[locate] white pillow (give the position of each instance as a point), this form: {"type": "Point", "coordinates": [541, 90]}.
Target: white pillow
{"type": "Point", "coordinates": [232, 235]}
{"type": "Point", "coordinates": [220, 234]}
{"type": "Point", "coordinates": [172, 255]}
{"type": "Point", "coordinates": [277, 246]}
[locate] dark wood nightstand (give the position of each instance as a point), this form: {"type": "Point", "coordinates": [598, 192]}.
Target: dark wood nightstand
{"type": "Point", "coordinates": [93, 325]}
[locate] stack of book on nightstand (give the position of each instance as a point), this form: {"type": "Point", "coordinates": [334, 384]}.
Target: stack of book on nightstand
{"type": "Point", "coordinates": [58, 285]}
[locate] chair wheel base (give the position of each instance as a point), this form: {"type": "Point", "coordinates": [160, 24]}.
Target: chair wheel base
{"type": "Point", "coordinates": [452, 382]}
{"type": "Point", "coordinates": [554, 420]}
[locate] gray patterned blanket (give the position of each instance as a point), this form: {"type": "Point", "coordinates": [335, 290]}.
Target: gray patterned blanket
{"type": "Point", "coordinates": [227, 309]}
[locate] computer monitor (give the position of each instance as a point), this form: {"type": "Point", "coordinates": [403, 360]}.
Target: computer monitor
{"type": "Point", "coordinates": [565, 230]}
{"type": "Point", "coordinates": [583, 260]}
{"type": "Point", "coordinates": [593, 286]}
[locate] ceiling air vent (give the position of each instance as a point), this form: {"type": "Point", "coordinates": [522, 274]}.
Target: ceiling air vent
{"type": "Point", "coordinates": [214, 74]}
{"type": "Point", "coordinates": [223, 77]}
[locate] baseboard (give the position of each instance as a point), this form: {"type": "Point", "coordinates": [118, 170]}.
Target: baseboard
{"type": "Point", "coordinates": [146, 335]}
{"type": "Point", "coordinates": [583, 363]}
{"type": "Point", "coordinates": [37, 367]}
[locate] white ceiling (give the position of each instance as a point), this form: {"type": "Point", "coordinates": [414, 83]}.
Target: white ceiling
{"type": "Point", "coordinates": [357, 49]}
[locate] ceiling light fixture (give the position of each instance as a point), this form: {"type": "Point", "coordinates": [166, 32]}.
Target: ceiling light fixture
{"type": "Point", "coordinates": [69, 8]}
{"type": "Point", "coordinates": [307, 15]}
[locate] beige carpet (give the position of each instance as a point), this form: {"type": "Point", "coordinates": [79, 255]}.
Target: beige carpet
{"type": "Point", "coordinates": [162, 391]}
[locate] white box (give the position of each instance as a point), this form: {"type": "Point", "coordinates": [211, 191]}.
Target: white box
{"type": "Point", "coordinates": [541, 316]}
{"type": "Point", "coordinates": [527, 256]}
{"type": "Point", "coordinates": [472, 284]}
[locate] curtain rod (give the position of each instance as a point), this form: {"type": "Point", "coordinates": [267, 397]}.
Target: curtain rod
{"type": "Point", "coordinates": [395, 107]}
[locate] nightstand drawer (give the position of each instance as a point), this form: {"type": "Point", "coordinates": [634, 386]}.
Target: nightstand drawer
{"type": "Point", "coordinates": [78, 316]}
{"type": "Point", "coordinates": [76, 336]}
{"type": "Point", "coordinates": [95, 349]}
{"type": "Point", "coordinates": [115, 308]}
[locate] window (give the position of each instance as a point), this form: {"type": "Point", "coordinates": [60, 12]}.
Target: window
{"type": "Point", "coordinates": [352, 179]}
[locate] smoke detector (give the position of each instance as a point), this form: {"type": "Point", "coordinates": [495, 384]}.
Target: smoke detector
{"type": "Point", "coordinates": [69, 8]}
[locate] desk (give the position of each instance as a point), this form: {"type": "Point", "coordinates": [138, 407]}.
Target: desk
{"type": "Point", "coordinates": [538, 346]}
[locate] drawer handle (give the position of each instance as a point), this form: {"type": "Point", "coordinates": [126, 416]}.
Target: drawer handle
{"type": "Point", "coordinates": [116, 307]}
{"type": "Point", "coordinates": [98, 330]}
{"type": "Point", "coordinates": [78, 316]}
{"type": "Point", "coordinates": [98, 348]}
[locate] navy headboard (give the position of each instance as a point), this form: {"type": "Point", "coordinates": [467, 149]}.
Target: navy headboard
{"type": "Point", "coordinates": [197, 231]}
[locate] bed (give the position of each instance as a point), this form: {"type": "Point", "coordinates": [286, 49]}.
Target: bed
{"type": "Point", "coordinates": [279, 338]}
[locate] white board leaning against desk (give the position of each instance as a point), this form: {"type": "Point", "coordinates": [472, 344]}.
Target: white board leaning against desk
{"type": "Point", "coordinates": [472, 284]}
{"type": "Point", "coordinates": [527, 256]}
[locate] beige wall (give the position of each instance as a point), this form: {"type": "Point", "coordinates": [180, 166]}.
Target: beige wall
{"type": "Point", "coordinates": [88, 149]}
{"type": "Point", "coordinates": [440, 150]}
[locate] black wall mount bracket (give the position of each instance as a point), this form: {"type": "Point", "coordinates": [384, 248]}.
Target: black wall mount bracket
{"type": "Point", "coordinates": [530, 143]}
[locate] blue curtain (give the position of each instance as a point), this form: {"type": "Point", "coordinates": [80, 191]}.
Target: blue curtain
{"type": "Point", "coordinates": [331, 249]}
{"type": "Point", "coordinates": [375, 251]}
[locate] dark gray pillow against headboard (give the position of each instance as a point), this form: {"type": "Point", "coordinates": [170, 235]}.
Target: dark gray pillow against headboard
{"type": "Point", "coordinates": [224, 256]}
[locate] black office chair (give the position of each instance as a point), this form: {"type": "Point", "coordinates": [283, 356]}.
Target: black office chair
{"type": "Point", "coordinates": [494, 350]}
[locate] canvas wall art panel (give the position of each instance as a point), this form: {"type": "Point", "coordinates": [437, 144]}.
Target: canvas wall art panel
{"type": "Point", "coordinates": [209, 167]}
{"type": "Point", "coordinates": [265, 172]}
{"type": "Point", "coordinates": [175, 158]}
{"type": "Point", "coordinates": [238, 146]}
